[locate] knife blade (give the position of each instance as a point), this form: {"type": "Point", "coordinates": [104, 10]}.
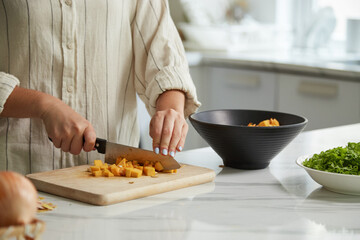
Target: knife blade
{"type": "Point", "coordinates": [114, 150]}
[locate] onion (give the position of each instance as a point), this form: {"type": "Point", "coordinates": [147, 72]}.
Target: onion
{"type": "Point", "coordinates": [18, 199]}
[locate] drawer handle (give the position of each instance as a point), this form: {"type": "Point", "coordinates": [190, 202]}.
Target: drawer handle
{"type": "Point", "coordinates": [323, 90]}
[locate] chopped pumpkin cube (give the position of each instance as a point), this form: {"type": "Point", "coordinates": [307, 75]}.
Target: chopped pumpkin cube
{"type": "Point", "coordinates": [128, 172]}
{"type": "Point", "coordinates": [108, 174]}
{"type": "Point", "coordinates": [149, 171]}
{"type": "Point", "coordinates": [167, 171]}
{"type": "Point", "coordinates": [94, 168]}
{"type": "Point", "coordinates": [265, 123]}
{"type": "Point", "coordinates": [97, 173]}
{"type": "Point", "coordinates": [98, 163]}
{"type": "Point", "coordinates": [148, 164]}
{"type": "Point", "coordinates": [135, 162]}
{"type": "Point", "coordinates": [122, 163]}
{"type": "Point", "coordinates": [122, 171]}
{"type": "Point", "coordinates": [129, 165]}
{"type": "Point", "coordinates": [274, 122]}
{"type": "Point", "coordinates": [136, 172]}
{"type": "Point", "coordinates": [105, 171]}
{"type": "Point", "coordinates": [118, 160]}
{"type": "Point", "coordinates": [139, 167]}
{"type": "Point", "coordinates": [104, 166]}
{"type": "Point", "coordinates": [159, 167]}
{"type": "Point", "coordinates": [115, 170]}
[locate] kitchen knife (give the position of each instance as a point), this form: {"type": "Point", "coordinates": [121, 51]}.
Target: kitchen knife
{"type": "Point", "coordinates": [114, 150]}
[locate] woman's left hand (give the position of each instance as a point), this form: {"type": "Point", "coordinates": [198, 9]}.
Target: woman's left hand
{"type": "Point", "coordinates": [168, 127]}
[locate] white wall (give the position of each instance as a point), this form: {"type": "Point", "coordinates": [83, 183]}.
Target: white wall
{"type": "Point", "coordinates": [263, 10]}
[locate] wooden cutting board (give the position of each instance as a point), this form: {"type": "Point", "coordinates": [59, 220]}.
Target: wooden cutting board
{"type": "Point", "coordinates": [78, 184]}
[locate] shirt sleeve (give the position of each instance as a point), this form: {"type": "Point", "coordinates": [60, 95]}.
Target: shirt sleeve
{"type": "Point", "coordinates": [7, 84]}
{"type": "Point", "coordinates": [160, 60]}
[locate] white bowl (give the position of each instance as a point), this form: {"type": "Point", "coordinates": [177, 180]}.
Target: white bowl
{"type": "Point", "coordinates": [340, 183]}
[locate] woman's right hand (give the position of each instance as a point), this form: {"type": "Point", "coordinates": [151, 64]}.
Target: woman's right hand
{"type": "Point", "coordinates": [64, 126]}
{"type": "Point", "coordinates": [67, 128]}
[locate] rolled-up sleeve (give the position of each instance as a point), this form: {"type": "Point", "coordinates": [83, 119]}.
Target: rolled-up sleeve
{"type": "Point", "coordinates": [160, 60]}
{"type": "Point", "coordinates": [7, 84]}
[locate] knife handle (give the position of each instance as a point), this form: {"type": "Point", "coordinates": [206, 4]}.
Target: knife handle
{"type": "Point", "coordinates": [100, 144]}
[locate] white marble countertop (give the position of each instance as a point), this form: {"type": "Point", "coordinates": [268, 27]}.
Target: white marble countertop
{"type": "Point", "coordinates": [279, 202]}
{"type": "Point", "coordinates": [328, 65]}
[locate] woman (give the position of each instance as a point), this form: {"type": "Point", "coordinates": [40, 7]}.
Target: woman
{"type": "Point", "coordinates": [70, 70]}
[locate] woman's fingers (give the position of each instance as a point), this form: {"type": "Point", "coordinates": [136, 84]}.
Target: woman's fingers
{"type": "Point", "coordinates": [68, 129]}
{"type": "Point", "coordinates": [177, 136]}
{"type": "Point", "coordinates": [56, 142]}
{"type": "Point", "coordinates": [166, 134]}
{"type": "Point", "coordinates": [156, 125]}
{"type": "Point", "coordinates": [90, 138]}
{"type": "Point", "coordinates": [66, 143]}
{"type": "Point", "coordinates": [181, 143]}
{"type": "Point", "coordinates": [168, 129]}
{"type": "Point", "coordinates": [76, 144]}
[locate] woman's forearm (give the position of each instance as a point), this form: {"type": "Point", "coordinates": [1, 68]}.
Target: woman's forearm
{"type": "Point", "coordinates": [26, 103]}
{"type": "Point", "coordinates": [172, 99]}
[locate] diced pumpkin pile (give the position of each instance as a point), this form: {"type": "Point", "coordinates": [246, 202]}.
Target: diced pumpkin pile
{"type": "Point", "coordinates": [126, 168]}
{"type": "Point", "coordinates": [272, 122]}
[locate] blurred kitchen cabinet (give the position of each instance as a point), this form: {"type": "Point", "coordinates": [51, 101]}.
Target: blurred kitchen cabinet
{"type": "Point", "coordinates": [324, 102]}
{"type": "Point", "coordinates": [199, 77]}
{"type": "Point", "coordinates": [231, 88]}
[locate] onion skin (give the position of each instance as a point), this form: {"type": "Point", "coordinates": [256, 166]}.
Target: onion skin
{"type": "Point", "coordinates": [18, 199]}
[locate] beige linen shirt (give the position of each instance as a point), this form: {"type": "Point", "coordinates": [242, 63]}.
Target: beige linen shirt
{"type": "Point", "coordinates": [94, 55]}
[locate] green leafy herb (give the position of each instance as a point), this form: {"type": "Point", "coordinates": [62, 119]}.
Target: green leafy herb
{"type": "Point", "coordinates": [344, 160]}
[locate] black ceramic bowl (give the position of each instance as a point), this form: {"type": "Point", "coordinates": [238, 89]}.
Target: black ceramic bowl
{"type": "Point", "coordinates": [244, 147]}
